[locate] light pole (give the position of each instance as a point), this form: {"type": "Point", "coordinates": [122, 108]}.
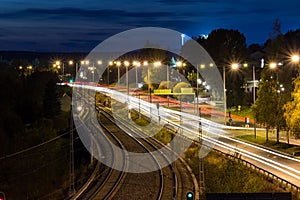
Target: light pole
{"type": "Point", "coordinates": [233, 66]}
{"type": "Point", "coordinates": [110, 63]}
{"type": "Point", "coordinates": [254, 125]}
{"type": "Point", "coordinates": [224, 89]}
{"type": "Point", "coordinates": [136, 64]}
{"type": "Point", "coordinates": [127, 63]}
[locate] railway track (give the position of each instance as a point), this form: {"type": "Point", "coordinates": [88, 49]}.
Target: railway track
{"type": "Point", "coordinates": [166, 183]}
{"type": "Point", "coordinates": [105, 180]}
{"type": "Point", "coordinates": [176, 180]}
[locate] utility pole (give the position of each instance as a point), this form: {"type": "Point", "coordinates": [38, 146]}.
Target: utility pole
{"type": "Point", "coordinates": [201, 163]}
{"type": "Point", "coordinates": [71, 164]}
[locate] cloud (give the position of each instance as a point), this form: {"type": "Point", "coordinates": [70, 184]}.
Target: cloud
{"type": "Point", "coordinates": [65, 13]}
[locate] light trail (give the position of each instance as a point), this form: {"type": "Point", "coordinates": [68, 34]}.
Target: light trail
{"type": "Point", "coordinates": [209, 127]}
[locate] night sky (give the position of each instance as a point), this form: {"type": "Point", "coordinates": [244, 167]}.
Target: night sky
{"type": "Point", "coordinates": [79, 25]}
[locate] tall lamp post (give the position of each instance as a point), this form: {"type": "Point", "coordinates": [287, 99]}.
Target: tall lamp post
{"type": "Point", "coordinates": [224, 89]}
{"type": "Point", "coordinates": [234, 66]}
{"type": "Point", "coordinates": [127, 63]}
{"type": "Point", "coordinates": [110, 63]}
{"type": "Point", "coordinates": [254, 124]}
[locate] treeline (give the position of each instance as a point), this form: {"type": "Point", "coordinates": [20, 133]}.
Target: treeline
{"type": "Point", "coordinates": [31, 115]}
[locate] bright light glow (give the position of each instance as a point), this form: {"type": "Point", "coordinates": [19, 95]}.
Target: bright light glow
{"type": "Point", "coordinates": [79, 108]}
{"type": "Point", "coordinates": [273, 65]}
{"type": "Point", "coordinates": [184, 64]}
{"type": "Point", "coordinates": [99, 62]}
{"type": "Point", "coordinates": [71, 62]}
{"type": "Point", "coordinates": [157, 64]}
{"type": "Point", "coordinates": [118, 63]}
{"type": "Point", "coordinates": [199, 81]}
{"type": "Point", "coordinates": [126, 63]}
{"type": "Point", "coordinates": [57, 62]}
{"type": "Point", "coordinates": [211, 64]}
{"type": "Point", "coordinates": [234, 66]}
{"type": "Point", "coordinates": [295, 58]}
{"type": "Point", "coordinates": [202, 66]}
{"type": "Point", "coordinates": [29, 67]}
{"type": "Point", "coordinates": [110, 63]}
{"type": "Point", "coordinates": [87, 62]}
{"type": "Point", "coordinates": [178, 63]}
{"type": "Point", "coordinates": [20, 67]}
{"type": "Point", "coordinates": [54, 65]}
{"type": "Point", "coordinates": [245, 64]}
{"type": "Point", "coordinates": [82, 62]}
{"type": "Point", "coordinates": [145, 63]}
{"type": "Point", "coordinates": [138, 64]}
{"type": "Point", "coordinates": [208, 87]}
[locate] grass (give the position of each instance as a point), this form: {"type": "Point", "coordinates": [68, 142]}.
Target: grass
{"type": "Point", "coordinates": [244, 112]}
{"type": "Point", "coordinates": [280, 146]}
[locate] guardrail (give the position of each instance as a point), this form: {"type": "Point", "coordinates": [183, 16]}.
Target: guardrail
{"type": "Point", "coordinates": [268, 175]}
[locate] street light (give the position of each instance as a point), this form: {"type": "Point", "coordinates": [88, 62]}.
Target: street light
{"type": "Point", "coordinates": [233, 66]}
{"type": "Point", "coordinates": [273, 65]}
{"type": "Point", "coordinates": [295, 58]}
{"type": "Point", "coordinates": [118, 63]}
{"type": "Point", "coordinates": [127, 63]}
{"type": "Point", "coordinates": [254, 124]}
{"type": "Point", "coordinates": [71, 62]}
{"type": "Point", "coordinates": [136, 64]}
{"type": "Point", "coordinates": [110, 63]}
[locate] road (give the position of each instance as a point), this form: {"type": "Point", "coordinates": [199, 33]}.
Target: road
{"type": "Point", "coordinates": [215, 135]}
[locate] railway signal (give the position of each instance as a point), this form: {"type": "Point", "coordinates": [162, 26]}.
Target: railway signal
{"type": "Point", "coordinates": [189, 196]}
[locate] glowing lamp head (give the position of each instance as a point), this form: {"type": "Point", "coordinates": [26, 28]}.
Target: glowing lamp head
{"type": "Point", "coordinates": [273, 65]}
{"type": "Point", "coordinates": [235, 66]}
{"type": "Point", "coordinates": [295, 58]}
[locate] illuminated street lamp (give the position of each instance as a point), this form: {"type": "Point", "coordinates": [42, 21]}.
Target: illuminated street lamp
{"type": "Point", "coordinates": [110, 63]}
{"type": "Point", "coordinates": [71, 62]}
{"type": "Point", "coordinates": [234, 66]}
{"type": "Point", "coordinates": [136, 64]}
{"type": "Point", "coordinates": [295, 58]}
{"type": "Point", "coordinates": [127, 63]}
{"type": "Point", "coordinates": [118, 63]}
{"type": "Point", "coordinates": [273, 65]}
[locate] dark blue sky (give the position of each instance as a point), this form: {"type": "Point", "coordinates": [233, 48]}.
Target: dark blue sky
{"type": "Point", "coordinates": [79, 25]}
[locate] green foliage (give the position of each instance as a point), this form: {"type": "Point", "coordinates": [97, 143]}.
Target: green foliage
{"type": "Point", "coordinates": [223, 175]}
{"type": "Point", "coordinates": [266, 103]}
{"type": "Point", "coordinates": [292, 109]}
{"type": "Point", "coordinates": [226, 46]}
{"type": "Point", "coordinates": [27, 101]}
{"type": "Point", "coordinates": [51, 104]}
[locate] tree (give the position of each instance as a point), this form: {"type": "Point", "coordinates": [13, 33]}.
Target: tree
{"type": "Point", "coordinates": [51, 104]}
{"type": "Point", "coordinates": [266, 105]}
{"type": "Point", "coordinates": [225, 47]}
{"type": "Point", "coordinates": [292, 109]}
